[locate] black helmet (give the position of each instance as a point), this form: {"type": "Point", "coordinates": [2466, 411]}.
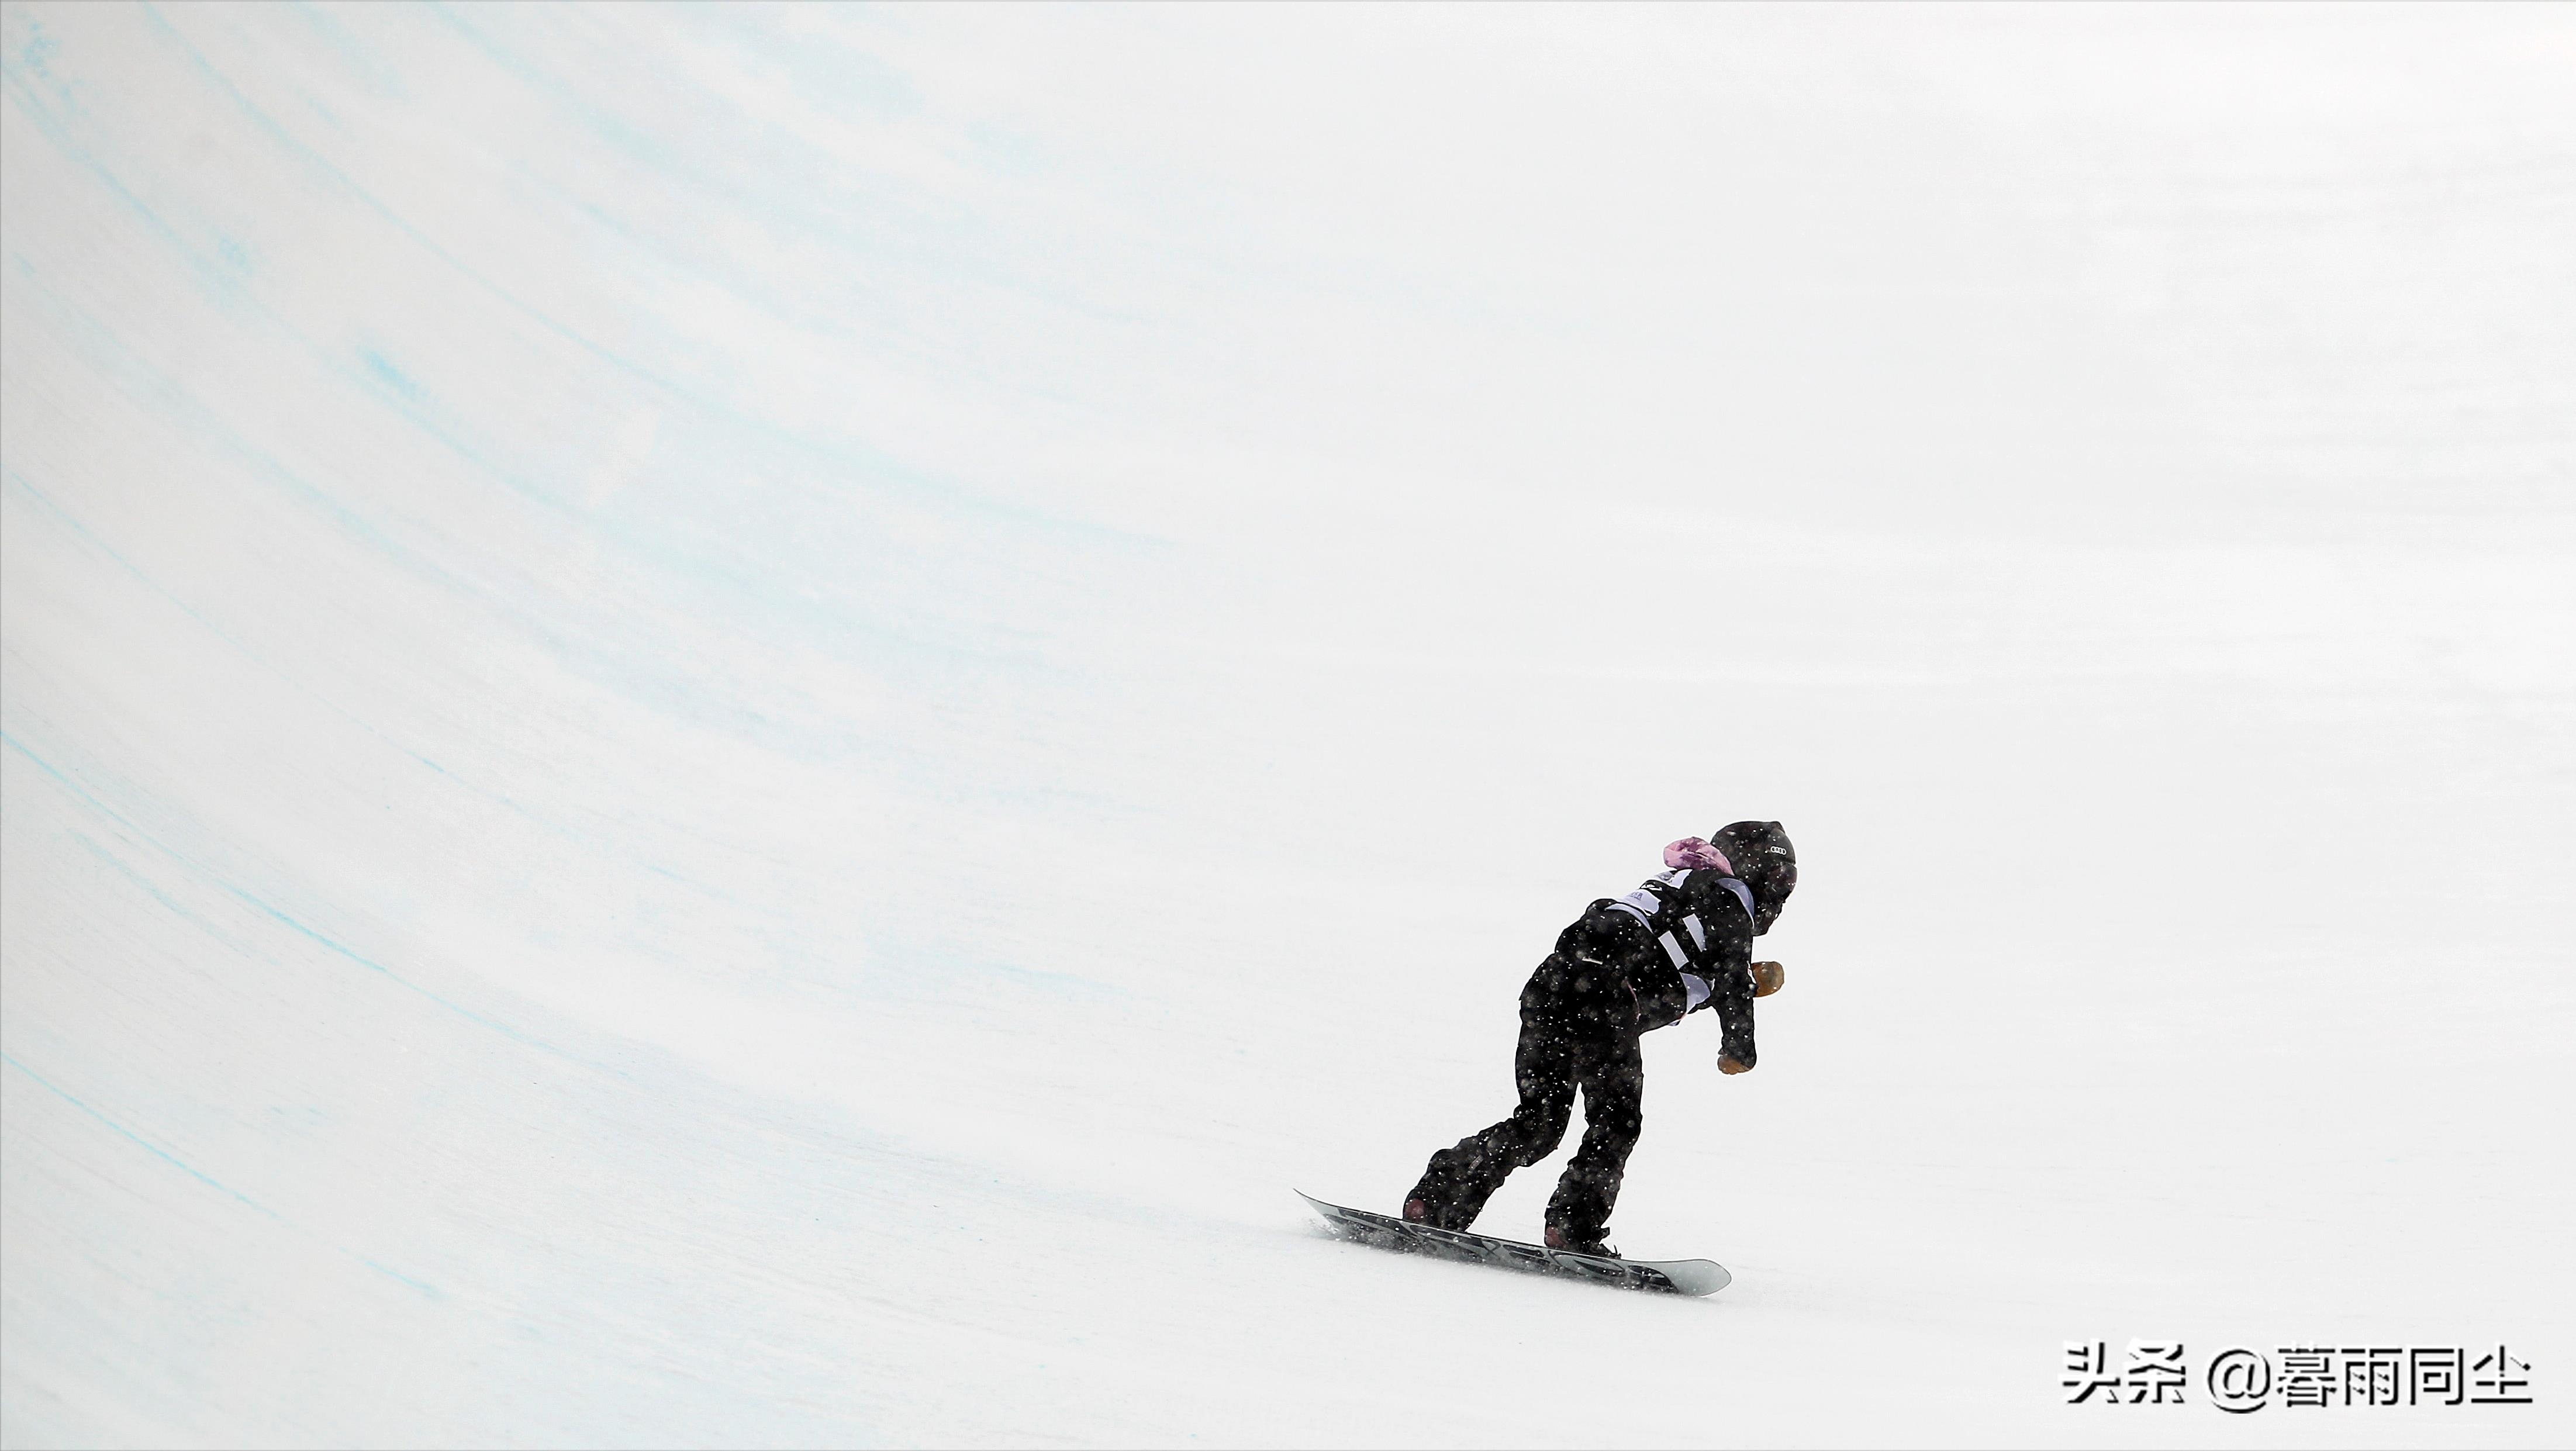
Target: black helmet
{"type": "Point", "coordinates": [1764, 861]}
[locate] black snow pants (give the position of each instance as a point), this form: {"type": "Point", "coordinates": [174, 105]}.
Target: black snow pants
{"type": "Point", "coordinates": [1579, 1028]}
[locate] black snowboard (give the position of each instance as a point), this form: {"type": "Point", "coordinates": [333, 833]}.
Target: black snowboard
{"type": "Point", "coordinates": [1680, 1277]}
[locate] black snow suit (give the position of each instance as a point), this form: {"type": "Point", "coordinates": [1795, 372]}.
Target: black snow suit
{"type": "Point", "coordinates": [1628, 966]}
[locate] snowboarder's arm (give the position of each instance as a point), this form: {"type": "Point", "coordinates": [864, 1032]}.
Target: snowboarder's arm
{"type": "Point", "coordinates": [1735, 985]}
{"type": "Point", "coordinates": [1732, 998]}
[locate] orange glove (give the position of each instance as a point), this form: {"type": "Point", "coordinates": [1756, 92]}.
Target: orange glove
{"type": "Point", "coordinates": [1766, 978]}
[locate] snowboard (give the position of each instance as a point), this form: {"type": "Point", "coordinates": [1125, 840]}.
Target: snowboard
{"type": "Point", "coordinates": [1679, 1277]}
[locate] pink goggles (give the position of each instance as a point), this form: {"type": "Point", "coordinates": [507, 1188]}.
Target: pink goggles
{"type": "Point", "coordinates": [1693, 853]}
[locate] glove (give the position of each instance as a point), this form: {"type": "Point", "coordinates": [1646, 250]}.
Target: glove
{"type": "Point", "coordinates": [1766, 978]}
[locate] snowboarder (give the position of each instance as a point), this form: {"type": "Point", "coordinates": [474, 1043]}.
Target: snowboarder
{"type": "Point", "coordinates": [1627, 966]}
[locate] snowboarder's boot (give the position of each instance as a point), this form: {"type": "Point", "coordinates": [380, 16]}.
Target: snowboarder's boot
{"type": "Point", "coordinates": [1424, 1208]}
{"type": "Point", "coordinates": [1575, 1241]}
{"type": "Point", "coordinates": [1452, 1192]}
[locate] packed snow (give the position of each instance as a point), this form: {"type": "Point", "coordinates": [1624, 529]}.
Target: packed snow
{"type": "Point", "coordinates": [742, 726]}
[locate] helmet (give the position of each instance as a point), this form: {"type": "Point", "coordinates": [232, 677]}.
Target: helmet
{"type": "Point", "coordinates": [1764, 861]}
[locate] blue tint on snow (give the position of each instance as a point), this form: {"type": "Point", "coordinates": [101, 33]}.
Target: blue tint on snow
{"type": "Point", "coordinates": [200, 1175]}
{"type": "Point", "coordinates": [389, 375]}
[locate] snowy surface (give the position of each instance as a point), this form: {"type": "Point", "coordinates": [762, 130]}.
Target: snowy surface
{"type": "Point", "coordinates": [741, 726]}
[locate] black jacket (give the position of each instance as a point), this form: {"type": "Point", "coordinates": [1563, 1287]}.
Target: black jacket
{"type": "Point", "coordinates": [1677, 922]}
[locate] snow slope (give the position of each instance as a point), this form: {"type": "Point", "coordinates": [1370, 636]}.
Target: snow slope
{"type": "Point", "coordinates": [739, 726]}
